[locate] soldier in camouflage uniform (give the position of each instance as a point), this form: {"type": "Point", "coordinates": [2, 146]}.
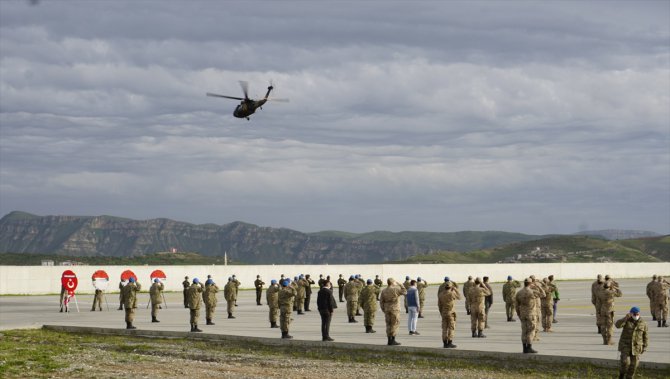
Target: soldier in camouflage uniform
{"type": "Point", "coordinates": [155, 295]}
{"type": "Point", "coordinates": [443, 286]}
{"type": "Point", "coordinates": [341, 282]}
{"type": "Point", "coordinates": [466, 289]}
{"type": "Point", "coordinates": [129, 296]}
{"type": "Point", "coordinates": [308, 292]}
{"type": "Point", "coordinates": [97, 299]}
{"type": "Point", "coordinates": [547, 311]}
{"type": "Point", "coordinates": [606, 296]}
{"type": "Point", "coordinates": [476, 297]}
{"type": "Point", "coordinates": [286, 298]}
{"type": "Point", "coordinates": [659, 293]}
{"type": "Point", "coordinates": [421, 286]}
{"type": "Point", "coordinates": [237, 287]}
{"type": "Point", "coordinates": [258, 284]}
{"type": "Point", "coordinates": [537, 287]}
{"type": "Point", "coordinates": [368, 301]}
{"type": "Point", "coordinates": [650, 285]}
{"type": "Point", "coordinates": [185, 284]}
{"type": "Point", "coordinates": [230, 294]}
{"type": "Point", "coordinates": [301, 291]}
{"type": "Point", "coordinates": [209, 297]}
{"type": "Point", "coordinates": [388, 302]}
{"type": "Point", "coordinates": [633, 342]}
{"type": "Point", "coordinates": [406, 285]}
{"type": "Point", "coordinates": [445, 304]}
{"type": "Point", "coordinates": [525, 300]}
{"type": "Point", "coordinates": [595, 287]}
{"type": "Point", "coordinates": [378, 286]}
{"type": "Point", "coordinates": [194, 300]}
{"type": "Point", "coordinates": [509, 296]}
{"type": "Point", "coordinates": [359, 288]}
{"type": "Point", "coordinates": [272, 298]}
{"type": "Point", "coordinates": [351, 295]}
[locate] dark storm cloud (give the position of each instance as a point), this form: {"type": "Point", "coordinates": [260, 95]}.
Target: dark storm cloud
{"type": "Point", "coordinates": [521, 116]}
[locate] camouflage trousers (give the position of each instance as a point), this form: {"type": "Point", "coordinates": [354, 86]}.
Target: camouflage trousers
{"type": "Point", "coordinates": [300, 303]}
{"type": "Point", "coordinates": [547, 316]}
{"type": "Point", "coordinates": [209, 312]}
{"type": "Point", "coordinates": [606, 323]}
{"type": "Point", "coordinates": [285, 318]}
{"type": "Point", "coordinates": [97, 299]}
{"type": "Point", "coordinates": [509, 309]}
{"type": "Point", "coordinates": [537, 320]}
{"type": "Point", "coordinates": [352, 306]}
{"type": "Point", "coordinates": [230, 306]}
{"type": "Point", "coordinates": [369, 316]}
{"type": "Point", "coordinates": [154, 309]}
{"type": "Point", "coordinates": [274, 314]}
{"type": "Point", "coordinates": [661, 310]}
{"type": "Point", "coordinates": [195, 316]}
{"type": "Point", "coordinates": [448, 325]}
{"type": "Point", "coordinates": [477, 317]}
{"type": "Point", "coordinates": [627, 365]}
{"type": "Point", "coordinates": [467, 305]}
{"type": "Point", "coordinates": [528, 328]}
{"type": "Point", "coordinates": [392, 322]}
{"type": "Point", "coordinates": [130, 314]}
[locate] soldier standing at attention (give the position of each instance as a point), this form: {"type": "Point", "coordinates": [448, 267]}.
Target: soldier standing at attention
{"type": "Point", "coordinates": [209, 297]}
{"type": "Point", "coordinates": [308, 292]}
{"type": "Point", "coordinates": [445, 304]}
{"type": "Point", "coordinates": [421, 286]}
{"type": "Point", "coordinates": [326, 304]}
{"type": "Point", "coordinates": [606, 296]}
{"type": "Point", "coordinates": [443, 286]}
{"type": "Point", "coordinates": [155, 292]}
{"type": "Point", "coordinates": [340, 285]}
{"type": "Point", "coordinates": [301, 293]}
{"type": "Point", "coordinates": [633, 342]}
{"type": "Point", "coordinates": [286, 297]}
{"type": "Point", "coordinates": [230, 294]}
{"type": "Point", "coordinates": [476, 297]}
{"type": "Point", "coordinates": [406, 285]}
{"type": "Point", "coordinates": [525, 309]}
{"type": "Point", "coordinates": [97, 299]}
{"type": "Point", "coordinates": [488, 302]}
{"type": "Point", "coordinates": [509, 294]}
{"type": "Point", "coordinates": [368, 301]}
{"type": "Point", "coordinates": [194, 299]}
{"type": "Point", "coordinates": [378, 286]}
{"type": "Point", "coordinates": [121, 285]}
{"type": "Point", "coordinates": [466, 290]}
{"type": "Point", "coordinates": [388, 302]}
{"type": "Point", "coordinates": [556, 297]}
{"type": "Point", "coordinates": [360, 283]}
{"type": "Point", "coordinates": [546, 301]}
{"type": "Point", "coordinates": [650, 285]}
{"type": "Point", "coordinates": [351, 295]}
{"type": "Point", "coordinates": [186, 286]}
{"type": "Point", "coordinates": [595, 287]}
{"type": "Point", "coordinates": [237, 287]}
{"type": "Point", "coordinates": [272, 298]}
{"type": "Point", "coordinates": [258, 283]}
{"type": "Point", "coordinates": [660, 294]}
{"type": "Point", "coordinates": [129, 296]}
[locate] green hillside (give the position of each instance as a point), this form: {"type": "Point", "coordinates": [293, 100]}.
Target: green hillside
{"type": "Point", "coordinates": [162, 259]}
{"type": "Point", "coordinates": [560, 249]}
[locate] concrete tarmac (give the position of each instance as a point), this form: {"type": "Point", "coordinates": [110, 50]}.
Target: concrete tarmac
{"type": "Point", "coordinates": [575, 334]}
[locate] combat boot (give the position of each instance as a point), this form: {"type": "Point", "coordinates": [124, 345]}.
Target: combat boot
{"type": "Point", "coordinates": [474, 334]}
{"type": "Point", "coordinates": [154, 319]}
{"type": "Point", "coordinates": [230, 315]}
{"type": "Point", "coordinates": [665, 324]}
{"type": "Point", "coordinates": [191, 327]}
{"type": "Point", "coordinates": [480, 335]}
{"type": "Point", "coordinates": [367, 329]}
{"type": "Point", "coordinates": [394, 342]}
{"type": "Point", "coordinates": [285, 335]}
{"type": "Point", "coordinates": [445, 343]}
{"type": "Point", "coordinates": [195, 328]}
{"type": "Point", "coordinates": [372, 330]}
{"type": "Point", "coordinates": [659, 323]}
{"type": "Point", "coordinates": [525, 348]}
{"type": "Point", "coordinates": [130, 326]}
{"type": "Point", "coordinates": [450, 344]}
{"type": "Point", "coordinates": [358, 313]}
{"type": "Point", "coordinates": [209, 321]}
{"type": "Point", "coordinates": [530, 349]}
{"type": "Point", "coordinates": [273, 325]}
{"type": "Point", "coordinates": [301, 312]}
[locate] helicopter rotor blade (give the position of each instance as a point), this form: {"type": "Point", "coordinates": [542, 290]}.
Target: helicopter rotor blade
{"type": "Point", "coordinates": [279, 100]}
{"type": "Point", "coordinates": [224, 96]}
{"type": "Point", "coordinates": [245, 89]}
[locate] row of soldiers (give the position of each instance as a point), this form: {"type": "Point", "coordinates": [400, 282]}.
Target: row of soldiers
{"type": "Point", "coordinates": [657, 292]}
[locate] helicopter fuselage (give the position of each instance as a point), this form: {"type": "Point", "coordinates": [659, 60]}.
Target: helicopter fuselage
{"type": "Point", "coordinates": [248, 107]}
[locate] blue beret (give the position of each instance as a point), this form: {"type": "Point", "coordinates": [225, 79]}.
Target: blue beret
{"type": "Point", "coordinates": [273, 281]}
{"type": "Point", "coordinates": [509, 277]}
{"type": "Point", "coordinates": [196, 280]}
{"type": "Point", "coordinates": [635, 310]}
{"type": "Point", "coordinates": [446, 278]}
{"type": "Point", "coordinates": [369, 281]}
{"type": "Point", "coordinates": [132, 280]}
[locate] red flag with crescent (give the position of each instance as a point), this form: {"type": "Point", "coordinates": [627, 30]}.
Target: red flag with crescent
{"type": "Point", "coordinates": [69, 281]}
{"type": "Point", "coordinates": [126, 275]}
{"type": "Point", "coordinates": [157, 274]}
{"type": "Point", "coordinates": [100, 280]}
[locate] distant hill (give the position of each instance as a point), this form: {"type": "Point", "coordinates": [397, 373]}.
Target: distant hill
{"type": "Point", "coordinates": [106, 236]}
{"type": "Point", "coordinates": [618, 234]}
{"type": "Point", "coordinates": [560, 249]}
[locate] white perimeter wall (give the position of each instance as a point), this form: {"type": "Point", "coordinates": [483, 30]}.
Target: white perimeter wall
{"type": "Point", "coordinates": [16, 280]}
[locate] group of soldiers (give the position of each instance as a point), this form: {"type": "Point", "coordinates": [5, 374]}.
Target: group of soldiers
{"type": "Point", "coordinates": [657, 292]}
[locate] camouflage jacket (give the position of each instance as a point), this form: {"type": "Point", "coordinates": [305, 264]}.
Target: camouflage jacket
{"type": "Point", "coordinates": [286, 297]}
{"type": "Point", "coordinates": [155, 293]}
{"type": "Point", "coordinates": [446, 299]}
{"type": "Point", "coordinates": [606, 298]}
{"type": "Point", "coordinates": [351, 290]}
{"type": "Point", "coordinates": [209, 296]}
{"type": "Point", "coordinates": [509, 290]}
{"type": "Point", "coordinates": [525, 300]}
{"type": "Point", "coordinates": [272, 296]}
{"type": "Point", "coordinates": [388, 299]}
{"type": "Point", "coordinates": [368, 298]}
{"type": "Point", "coordinates": [476, 294]}
{"type": "Point", "coordinates": [129, 294]}
{"type": "Point", "coordinates": [634, 336]}
{"type": "Point", "coordinates": [466, 287]}
{"type": "Point", "coordinates": [193, 297]}
{"type": "Point", "coordinates": [229, 292]}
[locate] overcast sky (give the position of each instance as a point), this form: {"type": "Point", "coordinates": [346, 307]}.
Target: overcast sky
{"type": "Point", "coordinates": [533, 117]}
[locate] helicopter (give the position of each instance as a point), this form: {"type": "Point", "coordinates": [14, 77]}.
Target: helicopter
{"type": "Point", "coordinates": [248, 106]}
